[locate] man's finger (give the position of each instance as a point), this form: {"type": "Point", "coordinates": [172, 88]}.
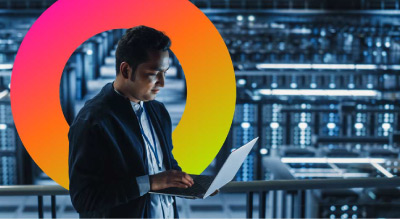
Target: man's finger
{"type": "Point", "coordinates": [188, 177]}
{"type": "Point", "coordinates": [179, 185]}
{"type": "Point", "coordinates": [182, 179]}
{"type": "Point", "coordinates": [214, 193]}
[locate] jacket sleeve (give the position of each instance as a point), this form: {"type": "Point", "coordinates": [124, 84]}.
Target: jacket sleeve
{"type": "Point", "coordinates": [90, 188]}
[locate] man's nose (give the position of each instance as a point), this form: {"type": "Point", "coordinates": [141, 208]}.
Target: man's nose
{"type": "Point", "coordinates": [161, 80]}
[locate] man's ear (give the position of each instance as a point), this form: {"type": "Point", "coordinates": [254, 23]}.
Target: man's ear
{"type": "Point", "coordinates": [124, 69]}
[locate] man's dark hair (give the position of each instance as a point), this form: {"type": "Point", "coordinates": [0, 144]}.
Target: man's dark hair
{"type": "Point", "coordinates": [134, 46]}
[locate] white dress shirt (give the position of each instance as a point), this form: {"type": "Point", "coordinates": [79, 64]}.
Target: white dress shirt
{"type": "Point", "coordinates": [161, 205]}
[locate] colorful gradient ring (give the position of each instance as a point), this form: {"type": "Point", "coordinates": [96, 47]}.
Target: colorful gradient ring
{"type": "Point", "coordinates": [38, 67]}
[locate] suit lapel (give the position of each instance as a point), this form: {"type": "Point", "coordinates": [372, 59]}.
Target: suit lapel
{"type": "Point", "coordinates": [138, 134]}
{"type": "Point", "coordinates": [122, 107]}
{"type": "Point", "coordinates": [155, 121]}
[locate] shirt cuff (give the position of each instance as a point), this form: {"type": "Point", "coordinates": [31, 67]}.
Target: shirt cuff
{"type": "Point", "coordinates": [144, 184]}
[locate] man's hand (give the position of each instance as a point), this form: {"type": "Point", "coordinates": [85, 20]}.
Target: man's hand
{"type": "Point", "coordinates": [170, 178]}
{"type": "Point", "coordinates": [215, 192]}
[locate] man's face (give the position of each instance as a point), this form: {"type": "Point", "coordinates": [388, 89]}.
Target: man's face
{"type": "Point", "coordinates": [149, 76]}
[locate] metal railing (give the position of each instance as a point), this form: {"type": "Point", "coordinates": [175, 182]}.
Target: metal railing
{"type": "Point", "coordinates": [36, 190]}
{"type": "Point", "coordinates": [250, 188]}
{"type": "Point", "coordinates": [296, 188]}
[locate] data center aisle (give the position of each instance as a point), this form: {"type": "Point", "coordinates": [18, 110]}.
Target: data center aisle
{"type": "Point", "coordinates": [173, 96]}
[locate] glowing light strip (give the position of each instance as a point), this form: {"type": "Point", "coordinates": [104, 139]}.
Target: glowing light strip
{"type": "Point", "coordinates": [339, 66]}
{"type": "Point", "coordinates": [366, 67]}
{"type": "Point", "coordinates": [314, 170]}
{"type": "Point", "coordinates": [382, 170]}
{"type": "Point", "coordinates": [3, 93]}
{"type": "Point", "coordinates": [322, 66]}
{"type": "Point", "coordinates": [6, 66]}
{"type": "Point", "coordinates": [345, 175]}
{"type": "Point", "coordinates": [283, 66]}
{"type": "Point", "coordinates": [336, 168]}
{"type": "Point", "coordinates": [330, 160]}
{"type": "Point", "coordinates": [394, 67]}
{"type": "Point", "coordinates": [318, 92]}
{"type": "Point", "coordinates": [5, 73]}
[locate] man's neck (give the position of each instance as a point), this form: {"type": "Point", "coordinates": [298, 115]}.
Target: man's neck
{"type": "Point", "coordinates": [120, 90]}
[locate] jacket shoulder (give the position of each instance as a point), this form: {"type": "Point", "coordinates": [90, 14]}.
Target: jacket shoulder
{"type": "Point", "coordinates": [93, 110]}
{"type": "Point", "coordinates": [159, 107]}
{"type": "Point", "coordinates": [157, 104]}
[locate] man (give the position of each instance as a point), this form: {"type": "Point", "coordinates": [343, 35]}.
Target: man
{"type": "Point", "coordinates": [120, 141]}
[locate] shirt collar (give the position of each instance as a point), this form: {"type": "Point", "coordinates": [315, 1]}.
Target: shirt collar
{"type": "Point", "coordinates": [135, 106]}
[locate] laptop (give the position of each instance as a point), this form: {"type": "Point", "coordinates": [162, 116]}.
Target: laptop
{"type": "Point", "coordinates": [204, 186]}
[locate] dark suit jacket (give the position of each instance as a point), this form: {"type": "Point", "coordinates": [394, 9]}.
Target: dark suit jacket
{"type": "Point", "coordinates": [107, 153]}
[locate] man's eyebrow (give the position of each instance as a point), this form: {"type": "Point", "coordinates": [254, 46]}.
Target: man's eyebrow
{"type": "Point", "coordinates": [159, 69]}
{"type": "Point", "coordinates": [156, 68]}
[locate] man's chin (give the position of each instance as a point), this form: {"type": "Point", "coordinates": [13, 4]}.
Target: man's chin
{"type": "Point", "coordinates": [149, 98]}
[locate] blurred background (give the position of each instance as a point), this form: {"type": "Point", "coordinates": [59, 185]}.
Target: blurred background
{"type": "Point", "coordinates": [317, 80]}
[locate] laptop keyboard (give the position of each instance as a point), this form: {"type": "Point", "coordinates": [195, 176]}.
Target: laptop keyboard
{"type": "Point", "coordinates": [201, 182]}
{"type": "Point", "coordinates": [199, 188]}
